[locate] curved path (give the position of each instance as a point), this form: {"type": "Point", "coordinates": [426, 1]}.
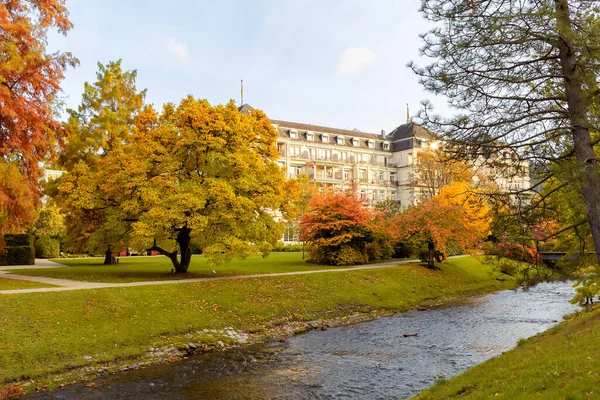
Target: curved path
{"type": "Point", "coordinates": [67, 284]}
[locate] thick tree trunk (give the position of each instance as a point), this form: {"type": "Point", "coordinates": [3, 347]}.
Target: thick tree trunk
{"type": "Point", "coordinates": [430, 255]}
{"type": "Point", "coordinates": [578, 111]}
{"type": "Point", "coordinates": [109, 259]}
{"type": "Point", "coordinates": [180, 266]}
{"type": "Point", "coordinates": [183, 240]}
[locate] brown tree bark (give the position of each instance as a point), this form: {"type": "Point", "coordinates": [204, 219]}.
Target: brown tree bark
{"type": "Point", "coordinates": [181, 265]}
{"type": "Point", "coordinates": [578, 112]}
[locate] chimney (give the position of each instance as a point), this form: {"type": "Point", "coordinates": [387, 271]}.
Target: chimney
{"type": "Point", "coordinates": [383, 133]}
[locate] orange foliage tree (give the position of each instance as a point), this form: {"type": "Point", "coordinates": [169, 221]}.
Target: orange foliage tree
{"type": "Point", "coordinates": [343, 230]}
{"type": "Point", "coordinates": [29, 82]}
{"type": "Point", "coordinates": [456, 214]}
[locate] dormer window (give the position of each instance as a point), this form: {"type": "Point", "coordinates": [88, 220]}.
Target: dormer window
{"type": "Point", "coordinates": [310, 136]}
{"type": "Point", "coordinates": [371, 144]}
{"type": "Point", "coordinates": [340, 140]}
{"type": "Point", "coordinates": [386, 145]}
{"type": "Point", "coordinates": [325, 138]}
{"type": "Point", "coordinates": [293, 134]}
{"type": "Point", "coordinates": [355, 142]}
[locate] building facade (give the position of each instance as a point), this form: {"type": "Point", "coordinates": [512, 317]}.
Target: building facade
{"type": "Point", "coordinates": [381, 166]}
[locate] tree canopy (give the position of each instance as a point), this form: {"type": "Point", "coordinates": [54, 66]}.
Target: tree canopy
{"type": "Point", "coordinates": [29, 84]}
{"type": "Point", "coordinates": [523, 76]}
{"type": "Point", "coordinates": [456, 214]}
{"type": "Point", "coordinates": [193, 173]}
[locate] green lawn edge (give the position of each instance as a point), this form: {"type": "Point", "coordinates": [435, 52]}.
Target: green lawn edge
{"type": "Point", "coordinates": [13, 284]}
{"type": "Point", "coordinates": [561, 363]}
{"type": "Point", "coordinates": [42, 334]}
{"type": "Point", "coordinates": [158, 268]}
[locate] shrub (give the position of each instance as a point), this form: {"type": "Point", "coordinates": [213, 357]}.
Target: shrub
{"type": "Point", "coordinates": [20, 255]}
{"type": "Point", "coordinates": [18, 239]}
{"type": "Point", "coordinates": [379, 249]}
{"type": "Point", "coordinates": [345, 255]}
{"type": "Point", "coordinates": [47, 248]}
{"type": "Point", "coordinates": [282, 247]}
{"type": "Point", "coordinates": [403, 250]}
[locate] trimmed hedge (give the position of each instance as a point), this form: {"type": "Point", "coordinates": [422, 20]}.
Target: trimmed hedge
{"type": "Point", "coordinates": [18, 239]}
{"type": "Point", "coordinates": [19, 250]}
{"type": "Point", "coordinates": [20, 255]}
{"type": "Point", "coordinates": [47, 248]}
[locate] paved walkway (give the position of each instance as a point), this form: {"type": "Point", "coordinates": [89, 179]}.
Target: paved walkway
{"type": "Point", "coordinates": [67, 284]}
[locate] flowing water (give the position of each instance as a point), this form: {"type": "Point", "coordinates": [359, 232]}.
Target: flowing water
{"type": "Point", "coordinates": [371, 360]}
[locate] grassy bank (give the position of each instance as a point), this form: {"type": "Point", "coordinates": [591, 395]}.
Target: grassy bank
{"type": "Point", "coordinates": [561, 363]}
{"type": "Point", "coordinates": [136, 269]}
{"type": "Point", "coordinates": [42, 333]}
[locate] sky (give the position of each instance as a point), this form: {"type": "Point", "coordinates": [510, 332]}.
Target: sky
{"type": "Point", "coordinates": [337, 63]}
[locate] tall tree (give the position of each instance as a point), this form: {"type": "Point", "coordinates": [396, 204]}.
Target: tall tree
{"type": "Point", "coordinates": [524, 75]}
{"type": "Point", "coordinates": [29, 83]}
{"type": "Point", "coordinates": [104, 122]}
{"type": "Point", "coordinates": [105, 119]}
{"type": "Point", "coordinates": [196, 173]}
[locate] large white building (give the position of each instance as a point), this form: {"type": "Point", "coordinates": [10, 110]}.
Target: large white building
{"type": "Point", "coordinates": [380, 165]}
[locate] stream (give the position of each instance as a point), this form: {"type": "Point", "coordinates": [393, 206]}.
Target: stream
{"type": "Point", "coordinates": [370, 360]}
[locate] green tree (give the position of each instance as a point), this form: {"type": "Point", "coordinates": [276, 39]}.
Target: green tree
{"type": "Point", "coordinates": [103, 123]}
{"type": "Point", "coordinates": [105, 119]}
{"type": "Point", "coordinates": [523, 75]}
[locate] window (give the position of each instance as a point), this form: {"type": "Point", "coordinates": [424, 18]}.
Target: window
{"type": "Point", "coordinates": [293, 134]}
{"type": "Point", "coordinates": [340, 140]}
{"type": "Point", "coordinates": [371, 144]}
{"type": "Point", "coordinates": [325, 138]}
{"type": "Point", "coordinates": [386, 145]}
{"type": "Point", "coordinates": [355, 142]}
{"type": "Point", "coordinates": [310, 136]}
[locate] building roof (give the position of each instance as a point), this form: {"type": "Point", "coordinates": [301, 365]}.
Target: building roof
{"type": "Point", "coordinates": [245, 109]}
{"type": "Point", "coordinates": [410, 130]}
{"type": "Point", "coordinates": [325, 129]}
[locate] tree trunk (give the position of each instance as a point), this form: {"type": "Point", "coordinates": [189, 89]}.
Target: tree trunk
{"type": "Point", "coordinates": [578, 112]}
{"type": "Point", "coordinates": [431, 252]}
{"type": "Point", "coordinates": [108, 257]}
{"type": "Point", "coordinates": [180, 266]}
{"type": "Point", "coordinates": [183, 240]}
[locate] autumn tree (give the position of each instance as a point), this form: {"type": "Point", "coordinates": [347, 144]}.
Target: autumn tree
{"type": "Point", "coordinates": [29, 84]}
{"type": "Point", "coordinates": [343, 230]}
{"type": "Point", "coordinates": [456, 214]}
{"type": "Point", "coordinates": [434, 170]}
{"type": "Point", "coordinates": [105, 119]}
{"type": "Point", "coordinates": [523, 76]}
{"type": "Point", "coordinates": [194, 173]}
{"type": "Point", "coordinates": [104, 122]}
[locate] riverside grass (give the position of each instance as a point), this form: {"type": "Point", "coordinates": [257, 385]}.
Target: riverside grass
{"type": "Point", "coordinates": [157, 268]}
{"type": "Point", "coordinates": [47, 333]}
{"type": "Point", "coordinates": [561, 363]}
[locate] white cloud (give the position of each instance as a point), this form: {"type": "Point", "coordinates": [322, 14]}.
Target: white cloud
{"type": "Point", "coordinates": [353, 60]}
{"type": "Point", "coordinates": [179, 50]}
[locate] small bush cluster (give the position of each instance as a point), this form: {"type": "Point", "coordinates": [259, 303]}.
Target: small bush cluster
{"type": "Point", "coordinates": [47, 248]}
{"type": "Point", "coordinates": [18, 250]}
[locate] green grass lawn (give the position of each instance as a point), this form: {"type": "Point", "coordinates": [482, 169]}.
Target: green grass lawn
{"type": "Point", "coordinates": [10, 284]}
{"type": "Point", "coordinates": [135, 269]}
{"type": "Point", "coordinates": [42, 333]}
{"type": "Point", "coordinates": [561, 363]}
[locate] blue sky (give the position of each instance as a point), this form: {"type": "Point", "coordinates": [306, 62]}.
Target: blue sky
{"type": "Point", "coordinates": [339, 63]}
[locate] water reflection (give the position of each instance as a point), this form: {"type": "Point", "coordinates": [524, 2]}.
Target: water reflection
{"type": "Point", "coordinates": [372, 360]}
